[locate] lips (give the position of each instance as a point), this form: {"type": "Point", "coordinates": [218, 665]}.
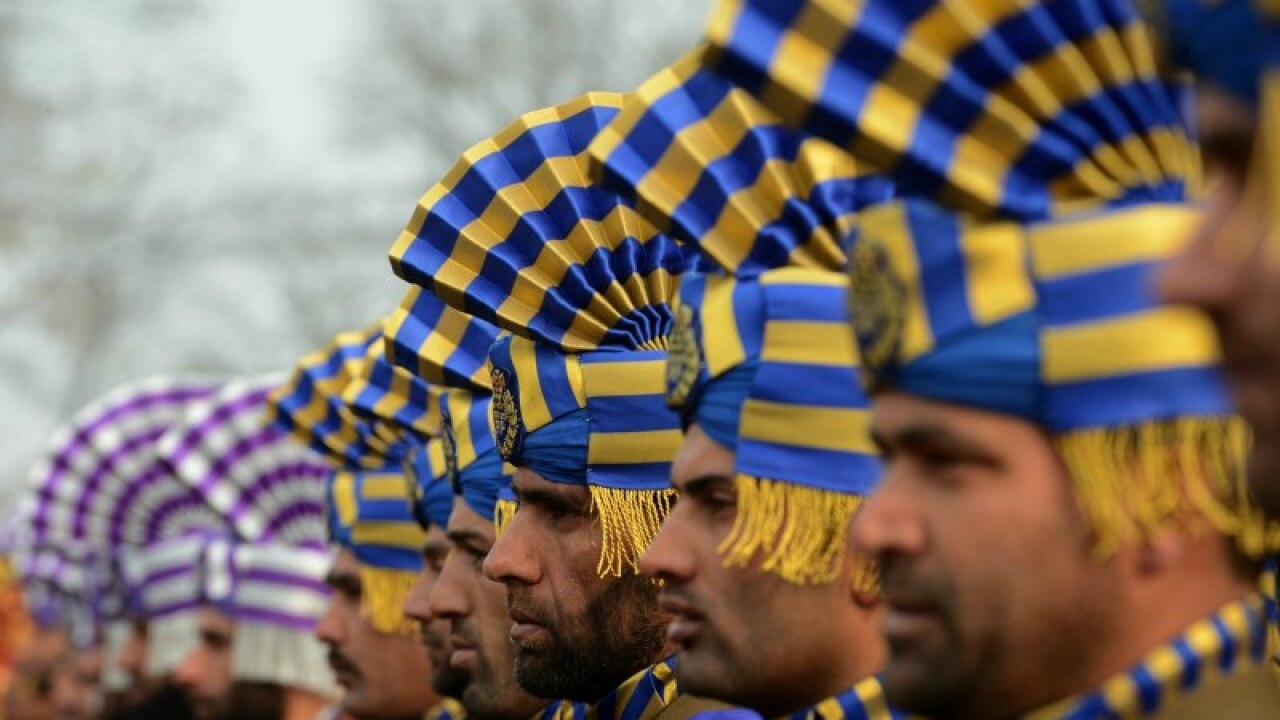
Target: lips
{"type": "Point", "coordinates": [344, 672]}
{"type": "Point", "coordinates": [686, 622]}
{"type": "Point", "coordinates": [464, 652]}
{"type": "Point", "coordinates": [907, 617]}
{"type": "Point", "coordinates": [526, 631]}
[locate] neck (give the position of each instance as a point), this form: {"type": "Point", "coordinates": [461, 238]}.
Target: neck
{"type": "Point", "coordinates": [856, 655]}
{"type": "Point", "coordinates": [1164, 608]}
{"type": "Point", "coordinates": [302, 704]}
{"type": "Point", "coordinates": [1159, 606]}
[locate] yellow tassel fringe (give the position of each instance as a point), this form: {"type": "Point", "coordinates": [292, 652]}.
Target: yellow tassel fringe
{"type": "Point", "coordinates": [383, 592]}
{"type": "Point", "coordinates": [629, 520]}
{"type": "Point", "coordinates": [1132, 482]}
{"type": "Point", "coordinates": [503, 513]}
{"type": "Point", "coordinates": [802, 532]}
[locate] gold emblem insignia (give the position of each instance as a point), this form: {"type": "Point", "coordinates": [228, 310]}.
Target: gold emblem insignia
{"type": "Point", "coordinates": [683, 360]}
{"type": "Point", "coordinates": [506, 415]}
{"type": "Point", "coordinates": [877, 303]}
{"type": "Point", "coordinates": [415, 491]}
{"type": "Point", "coordinates": [449, 443]}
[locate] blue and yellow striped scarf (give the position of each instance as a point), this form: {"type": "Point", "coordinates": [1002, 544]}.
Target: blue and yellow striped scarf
{"type": "Point", "coordinates": [864, 701]}
{"type": "Point", "coordinates": [1271, 602]}
{"type": "Point", "coordinates": [1230, 642]}
{"type": "Point", "coordinates": [642, 697]}
{"type": "Point", "coordinates": [448, 709]}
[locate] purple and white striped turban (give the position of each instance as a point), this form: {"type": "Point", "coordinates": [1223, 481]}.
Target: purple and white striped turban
{"type": "Point", "coordinates": [276, 594]}
{"type": "Point", "coordinates": [266, 485]}
{"type": "Point", "coordinates": [100, 497]}
{"type": "Point", "coordinates": [269, 575]}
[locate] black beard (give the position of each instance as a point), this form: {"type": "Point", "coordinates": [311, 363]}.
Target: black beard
{"type": "Point", "coordinates": [623, 635]}
{"type": "Point", "coordinates": [449, 682]}
{"type": "Point", "coordinates": [166, 701]}
{"type": "Point", "coordinates": [253, 701]}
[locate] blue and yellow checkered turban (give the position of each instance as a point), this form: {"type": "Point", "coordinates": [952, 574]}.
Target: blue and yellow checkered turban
{"type": "Point", "coordinates": [452, 349]}
{"type": "Point", "coordinates": [432, 494]}
{"type": "Point", "coordinates": [370, 419]}
{"type": "Point", "coordinates": [763, 357]}
{"type": "Point", "coordinates": [1005, 108]}
{"type": "Point", "coordinates": [518, 235]}
{"type": "Point", "coordinates": [350, 404]}
{"type": "Point", "coordinates": [1224, 42]}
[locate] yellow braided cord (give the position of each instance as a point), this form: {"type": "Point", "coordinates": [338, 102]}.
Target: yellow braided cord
{"type": "Point", "coordinates": [801, 532]}
{"type": "Point", "coordinates": [504, 511]}
{"type": "Point", "coordinates": [383, 592]}
{"type": "Point", "coordinates": [629, 520]}
{"type": "Point", "coordinates": [1132, 482]}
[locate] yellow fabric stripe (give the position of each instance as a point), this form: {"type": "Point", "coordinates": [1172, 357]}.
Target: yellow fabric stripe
{"type": "Point", "coordinates": [533, 406]}
{"type": "Point", "coordinates": [871, 694]}
{"type": "Point", "coordinates": [1149, 233]}
{"type": "Point", "coordinates": [808, 426]}
{"type": "Point", "coordinates": [388, 534]}
{"type": "Point", "coordinates": [631, 448]}
{"type": "Point", "coordinates": [435, 453]}
{"type": "Point", "coordinates": [554, 114]}
{"type": "Point", "coordinates": [802, 60]}
{"type": "Point", "coordinates": [344, 498]}
{"type": "Point", "coordinates": [721, 343]}
{"type": "Point", "coordinates": [887, 226]}
{"type": "Point", "coordinates": [383, 487]}
{"type": "Point", "coordinates": [1159, 339]}
{"type": "Point", "coordinates": [810, 343]}
{"type": "Point", "coordinates": [460, 413]}
{"type": "Point", "coordinates": [443, 342]}
{"type": "Point", "coordinates": [998, 285]}
{"type": "Point", "coordinates": [624, 379]}
{"type": "Point", "coordinates": [805, 276]}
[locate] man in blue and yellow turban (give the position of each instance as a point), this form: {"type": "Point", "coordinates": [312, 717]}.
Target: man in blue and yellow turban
{"type": "Point", "coordinates": [517, 235]}
{"type": "Point", "coordinates": [1063, 525]}
{"type": "Point", "coordinates": [451, 350]}
{"type": "Point", "coordinates": [432, 505]}
{"type": "Point", "coordinates": [367, 417]}
{"type": "Point", "coordinates": [776, 459]}
{"type": "Point", "coordinates": [1229, 269]}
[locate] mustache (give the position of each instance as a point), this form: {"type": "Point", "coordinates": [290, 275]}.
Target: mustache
{"type": "Point", "coordinates": [462, 630]}
{"type": "Point", "coordinates": [525, 610]}
{"type": "Point", "coordinates": [341, 664]}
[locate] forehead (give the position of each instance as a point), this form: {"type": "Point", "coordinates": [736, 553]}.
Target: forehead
{"type": "Point", "coordinates": [1219, 112]}
{"type": "Point", "coordinates": [528, 483]}
{"type": "Point", "coordinates": [435, 537]}
{"type": "Point", "coordinates": [344, 562]}
{"type": "Point", "coordinates": [465, 520]}
{"type": "Point", "coordinates": [216, 621]}
{"type": "Point", "coordinates": [700, 457]}
{"type": "Point", "coordinates": [895, 415]}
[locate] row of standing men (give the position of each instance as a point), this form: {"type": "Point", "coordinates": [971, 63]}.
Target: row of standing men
{"type": "Point", "coordinates": [875, 358]}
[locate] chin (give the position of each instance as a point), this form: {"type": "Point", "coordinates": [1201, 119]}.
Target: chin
{"type": "Point", "coordinates": [703, 673]}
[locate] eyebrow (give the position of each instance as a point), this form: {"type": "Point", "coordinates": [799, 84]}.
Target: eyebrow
{"type": "Point", "coordinates": [344, 582]}
{"type": "Point", "coordinates": [473, 539]}
{"type": "Point", "coordinates": [929, 437]}
{"type": "Point", "coordinates": [215, 637]}
{"type": "Point", "coordinates": [702, 484]}
{"type": "Point", "coordinates": [547, 498]}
